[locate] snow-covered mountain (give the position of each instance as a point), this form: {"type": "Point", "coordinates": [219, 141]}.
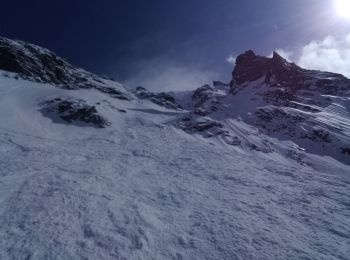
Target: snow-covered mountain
{"type": "Point", "coordinates": [255, 169]}
{"type": "Point", "coordinates": [283, 102]}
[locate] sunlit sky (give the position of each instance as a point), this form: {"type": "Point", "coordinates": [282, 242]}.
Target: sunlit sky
{"type": "Point", "coordinates": [167, 44]}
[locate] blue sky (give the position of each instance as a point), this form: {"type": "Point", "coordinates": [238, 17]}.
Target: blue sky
{"type": "Point", "coordinates": [167, 44]}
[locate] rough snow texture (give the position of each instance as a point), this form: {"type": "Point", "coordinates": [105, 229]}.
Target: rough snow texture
{"type": "Point", "coordinates": [161, 183]}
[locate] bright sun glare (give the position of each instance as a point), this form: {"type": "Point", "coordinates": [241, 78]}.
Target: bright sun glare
{"type": "Point", "coordinates": [343, 8]}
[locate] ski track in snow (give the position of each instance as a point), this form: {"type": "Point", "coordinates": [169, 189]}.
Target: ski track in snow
{"type": "Point", "coordinates": [132, 194]}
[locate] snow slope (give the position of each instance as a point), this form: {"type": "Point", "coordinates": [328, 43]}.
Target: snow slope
{"type": "Point", "coordinates": [142, 188]}
{"type": "Point", "coordinates": [271, 103]}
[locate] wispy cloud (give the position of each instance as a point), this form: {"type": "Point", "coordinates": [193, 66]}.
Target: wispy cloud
{"type": "Point", "coordinates": [231, 59]}
{"type": "Point", "coordinates": [330, 54]}
{"type": "Point", "coordinates": [163, 75]}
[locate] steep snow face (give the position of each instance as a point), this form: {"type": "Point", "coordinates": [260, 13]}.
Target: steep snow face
{"type": "Point", "coordinates": [141, 189]}
{"type": "Point", "coordinates": [88, 174]}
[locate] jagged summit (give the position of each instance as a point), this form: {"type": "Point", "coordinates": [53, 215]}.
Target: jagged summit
{"type": "Point", "coordinates": [281, 99]}
{"type": "Point", "coordinates": [278, 72]}
{"type": "Point", "coordinates": [250, 67]}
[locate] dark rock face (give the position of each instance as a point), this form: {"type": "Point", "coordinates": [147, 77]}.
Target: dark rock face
{"type": "Point", "coordinates": [161, 99]}
{"type": "Point", "coordinates": [206, 99]}
{"type": "Point", "coordinates": [250, 67]}
{"type": "Point", "coordinates": [202, 125]}
{"type": "Point", "coordinates": [285, 79]}
{"type": "Point", "coordinates": [346, 151]}
{"type": "Point", "coordinates": [73, 112]}
{"type": "Point", "coordinates": [39, 64]}
{"type": "Point", "coordinates": [32, 61]}
{"type": "Point", "coordinates": [200, 97]}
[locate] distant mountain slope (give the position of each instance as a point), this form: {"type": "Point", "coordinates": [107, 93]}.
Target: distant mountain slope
{"type": "Point", "coordinates": [283, 102]}
{"type": "Point", "coordinates": [41, 65]}
{"type": "Point", "coordinates": [90, 170]}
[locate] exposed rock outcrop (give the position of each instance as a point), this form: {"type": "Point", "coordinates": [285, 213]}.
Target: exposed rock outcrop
{"type": "Point", "coordinates": [73, 112]}
{"type": "Point", "coordinates": [39, 64]}
{"type": "Point", "coordinates": [161, 99]}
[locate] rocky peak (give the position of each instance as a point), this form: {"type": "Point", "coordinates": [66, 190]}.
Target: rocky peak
{"type": "Point", "coordinates": [278, 58]}
{"type": "Point", "coordinates": [250, 67]}
{"type": "Point", "coordinates": [277, 62]}
{"type": "Point", "coordinates": [246, 58]}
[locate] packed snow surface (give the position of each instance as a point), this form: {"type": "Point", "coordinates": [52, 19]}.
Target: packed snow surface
{"type": "Point", "coordinates": [144, 189]}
